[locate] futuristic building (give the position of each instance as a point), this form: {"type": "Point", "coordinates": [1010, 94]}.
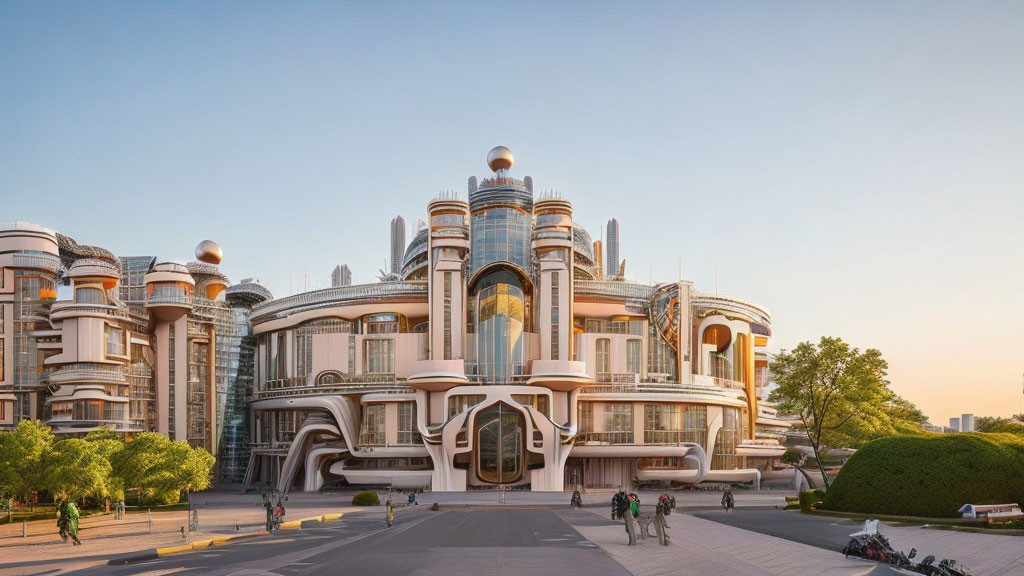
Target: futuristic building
{"type": "Point", "coordinates": [502, 356]}
{"type": "Point", "coordinates": [499, 353]}
{"type": "Point", "coordinates": [133, 344]}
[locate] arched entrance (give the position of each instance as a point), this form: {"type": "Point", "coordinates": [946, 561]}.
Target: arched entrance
{"type": "Point", "coordinates": [500, 436]}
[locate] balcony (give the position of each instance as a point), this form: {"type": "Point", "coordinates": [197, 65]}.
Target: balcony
{"type": "Point", "coordinates": [276, 388]}
{"type": "Point", "coordinates": [603, 438]}
{"type": "Point", "coordinates": [438, 375]}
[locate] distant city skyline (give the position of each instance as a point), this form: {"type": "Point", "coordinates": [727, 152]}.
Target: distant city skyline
{"type": "Point", "coordinates": [341, 276]}
{"type": "Point", "coordinates": [397, 243]}
{"type": "Point", "coordinates": [612, 246]}
{"type": "Point", "coordinates": [855, 168]}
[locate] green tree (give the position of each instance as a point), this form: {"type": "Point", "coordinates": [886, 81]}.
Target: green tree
{"type": "Point", "coordinates": [997, 424]}
{"type": "Point", "coordinates": [841, 395]}
{"type": "Point", "coordinates": [108, 443]}
{"type": "Point", "coordinates": [162, 468]}
{"type": "Point", "coordinates": [21, 459]}
{"type": "Point", "coordinates": [75, 468]}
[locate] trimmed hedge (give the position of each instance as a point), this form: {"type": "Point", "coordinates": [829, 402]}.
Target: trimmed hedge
{"type": "Point", "coordinates": [810, 498]}
{"type": "Point", "coordinates": [366, 498]}
{"type": "Point", "coordinates": [930, 476]}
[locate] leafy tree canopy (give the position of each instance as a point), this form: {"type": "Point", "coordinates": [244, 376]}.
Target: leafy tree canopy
{"type": "Point", "coordinates": [21, 458]}
{"type": "Point", "coordinates": [1014, 425]}
{"type": "Point", "coordinates": [841, 395]}
{"type": "Point", "coordinates": [76, 468]}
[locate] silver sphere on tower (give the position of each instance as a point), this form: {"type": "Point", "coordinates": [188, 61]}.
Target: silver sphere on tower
{"type": "Point", "coordinates": [500, 158]}
{"type": "Point", "coordinates": [209, 251]}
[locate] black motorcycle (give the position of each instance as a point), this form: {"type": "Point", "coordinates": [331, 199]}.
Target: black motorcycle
{"type": "Point", "coordinates": [870, 544]}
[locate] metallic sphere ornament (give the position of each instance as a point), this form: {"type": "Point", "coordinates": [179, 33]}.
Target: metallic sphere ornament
{"type": "Point", "coordinates": [500, 158]}
{"type": "Point", "coordinates": [208, 251]}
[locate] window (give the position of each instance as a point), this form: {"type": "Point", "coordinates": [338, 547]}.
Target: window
{"type": "Point", "coordinates": [633, 356]}
{"type": "Point", "coordinates": [382, 324]}
{"type": "Point", "coordinates": [115, 342]}
{"type": "Point", "coordinates": [407, 430]}
{"type": "Point", "coordinates": [603, 363]}
{"type": "Point", "coordinates": [724, 457]}
{"type": "Point", "coordinates": [371, 431]}
{"type": "Point", "coordinates": [89, 410]}
{"type": "Point", "coordinates": [537, 401]}
{"type": "Point", "coordinates": [459, 404]}
{"type": "Point", "coordinates": [380, 357]}
{"type": "Point", "coordinates": [585, 412]}
{"type": "Point", "coordinates": [61, 410]}
{"type": "Point", "coordinates": [598, 326]}
{"type": "Point", "coordinates": [113, 411]}
{"type": "Point", "coordinates": [618, 421]}
{"type": "Point", "coordinates": [675, 423]}
{"type": "Point", "coordinates": [89, 295]}
{"type": "Point", "coordinates": [554, 315]}
{"type": "Point", "coordinates": [447, 315]}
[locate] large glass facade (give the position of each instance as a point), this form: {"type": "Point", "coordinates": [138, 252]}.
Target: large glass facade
{"type": "Point", "coordinates": [497, 326]}
{"type": "Point", "coordinates": [500, 234]}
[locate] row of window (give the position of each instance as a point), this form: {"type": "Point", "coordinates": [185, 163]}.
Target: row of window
{"type": "Point", "coordinates": [373, 425]}
{"type": "Point", "coordinates": [88, 410]}
{"type": "Point", "coordinates": [663, 424]}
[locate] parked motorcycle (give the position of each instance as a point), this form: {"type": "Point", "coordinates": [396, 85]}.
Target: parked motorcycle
{"type": "Point", "coordinates": [871, 544]}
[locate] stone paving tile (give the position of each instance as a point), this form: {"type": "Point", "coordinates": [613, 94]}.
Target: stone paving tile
{"type": "Point", "coordinates": [705, 548]}
{"type": "Point", "coordinates": [996, 554]}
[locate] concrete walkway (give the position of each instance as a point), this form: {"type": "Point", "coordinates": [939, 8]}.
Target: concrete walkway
{"type": "Point", "coordinates": [704, 548]}
{"type": "Point", "coordinates": [984, 554]}
{"type": "Point", "coordinates": [104, 538]}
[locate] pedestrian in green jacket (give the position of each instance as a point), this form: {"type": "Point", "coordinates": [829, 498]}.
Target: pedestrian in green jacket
{"type": "Point", "coordinates": [67, 522]}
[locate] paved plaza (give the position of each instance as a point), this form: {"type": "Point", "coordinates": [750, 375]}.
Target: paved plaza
{"type": "Point", "coordinates": [495, 533]}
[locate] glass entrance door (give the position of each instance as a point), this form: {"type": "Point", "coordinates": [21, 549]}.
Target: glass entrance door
{"type": "Point", "coordinates": [499, 442]}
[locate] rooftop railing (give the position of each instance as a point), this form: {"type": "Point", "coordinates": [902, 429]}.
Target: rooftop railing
{"type": "Point", "coordinates": [337, 295]}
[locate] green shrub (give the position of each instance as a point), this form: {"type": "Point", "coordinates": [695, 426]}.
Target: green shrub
{"type": "Point", "coordinates": [810, 498]}
{"type": "Point", "coordinates": [930, 476]}
{"type": "Point", "coordinates": [366, 498]}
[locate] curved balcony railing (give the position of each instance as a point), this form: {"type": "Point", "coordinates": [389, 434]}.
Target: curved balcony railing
{"type": "Point", "coordinates": [359, 387]}
{"type": "Point", "coordinates": [614, 288]}
{"type": "Point", "coordinates": [656, 388]}
{"type": "Point", "coordinates": [731, 304]}
{"type": "Point", "coordinates": [338, 295]}
{"type": "Point", "coordinates": [39, 261]}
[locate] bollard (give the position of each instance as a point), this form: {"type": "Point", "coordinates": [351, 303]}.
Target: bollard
{"type": "Point", "coordinates": [24, 529]}
{"type": "Point", "coordinates": [149, 519]}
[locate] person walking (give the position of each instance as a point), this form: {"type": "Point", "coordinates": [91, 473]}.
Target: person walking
{"type": "Point", "coordinates": [629, 517]}
{"type": "Point", "coordinates": [67, 522]}
{"type": "Point", "coordinates": [391, 512]}
{"type": "Point", "coordinates": [660, 526]}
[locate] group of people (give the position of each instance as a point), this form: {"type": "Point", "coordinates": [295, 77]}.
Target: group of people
{"type": "Point", "coordinates": [626, 507]}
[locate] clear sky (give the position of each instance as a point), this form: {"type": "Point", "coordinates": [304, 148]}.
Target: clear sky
{"type": "Point", "coordinates": [855, 167]}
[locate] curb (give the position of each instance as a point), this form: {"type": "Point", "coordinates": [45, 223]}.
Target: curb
{"type": "Point", "coordinates": [155, 553]}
